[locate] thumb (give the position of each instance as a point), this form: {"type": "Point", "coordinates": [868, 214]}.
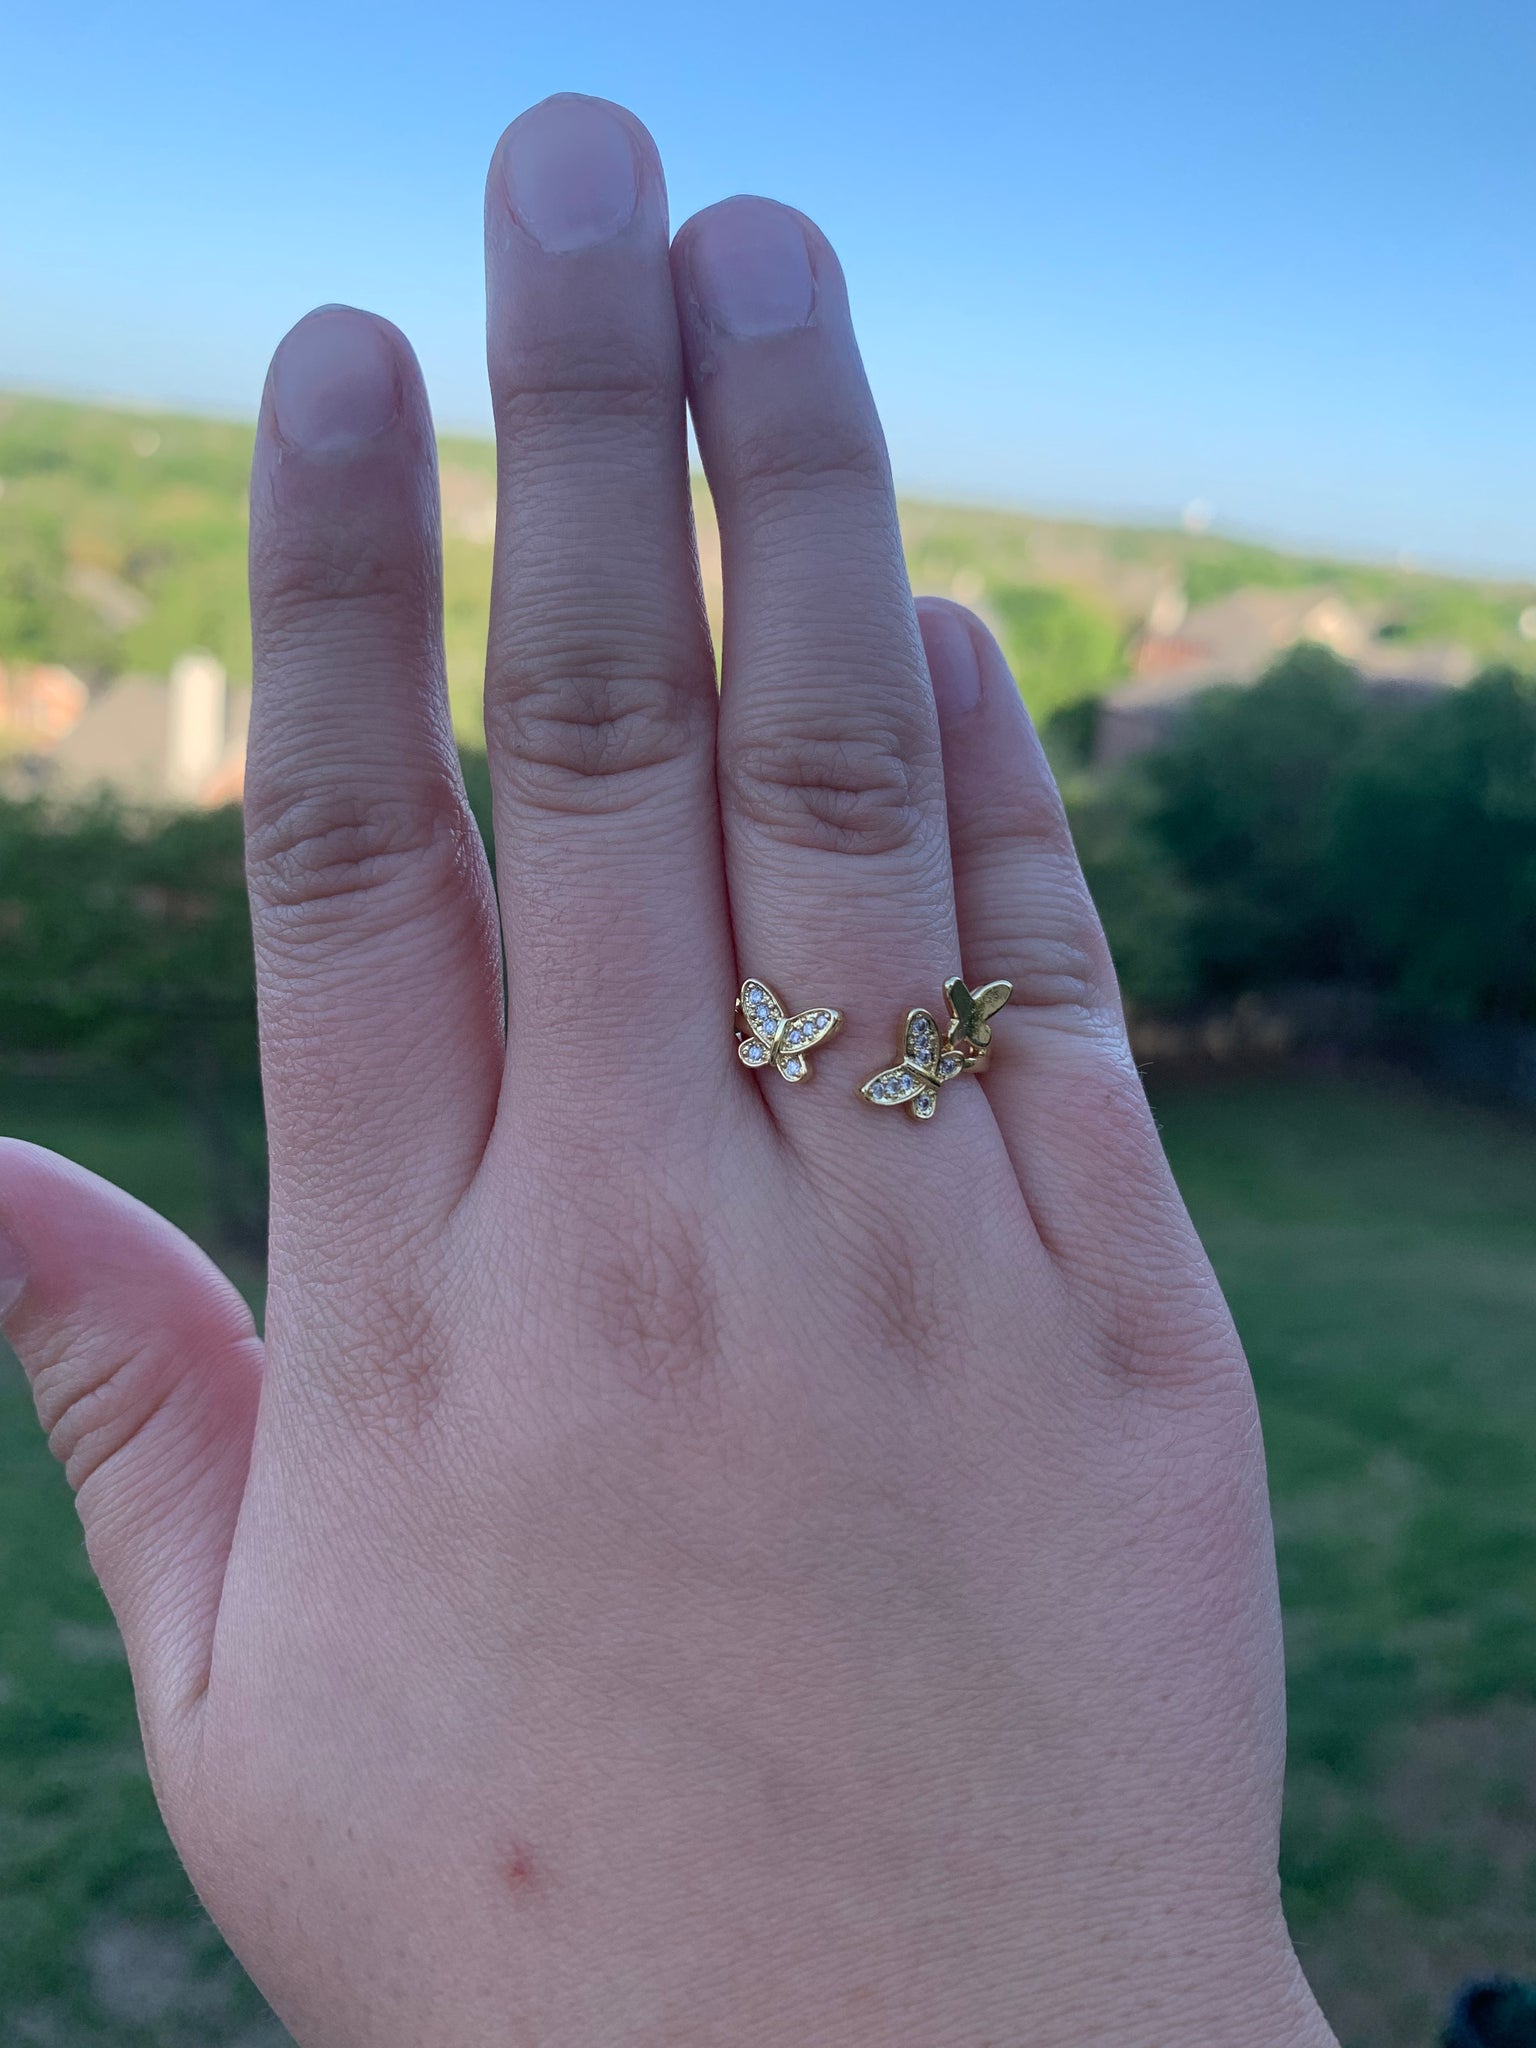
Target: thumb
{"type": "Point", "coordinates": [145, 1369]}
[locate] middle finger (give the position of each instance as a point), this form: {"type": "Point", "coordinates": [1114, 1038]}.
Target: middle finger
{"type": "Point", "coordinates": [600, 698]}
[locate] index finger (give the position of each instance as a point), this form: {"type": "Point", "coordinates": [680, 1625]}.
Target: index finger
{"type": "Point", "coordinates": [378, 974]}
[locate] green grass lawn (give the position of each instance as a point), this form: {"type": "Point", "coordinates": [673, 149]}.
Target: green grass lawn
{"type": "Point", "coordinates": [1379, 1248]}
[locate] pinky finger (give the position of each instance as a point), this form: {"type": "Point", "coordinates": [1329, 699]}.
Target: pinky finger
{"type": "Point", "coordinates": [1062, 1083]}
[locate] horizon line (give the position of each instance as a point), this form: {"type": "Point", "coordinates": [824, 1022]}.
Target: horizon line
{"type": "Point", "coordinates": [1140, 519]}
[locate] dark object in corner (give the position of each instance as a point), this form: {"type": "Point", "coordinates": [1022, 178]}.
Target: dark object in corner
{"type": "Point", "coordinates": [1495, 2012]}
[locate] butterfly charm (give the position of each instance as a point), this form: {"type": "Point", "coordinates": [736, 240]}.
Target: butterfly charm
{"type": "Point", "coordinates": [970, 1008]}
{"type": "Point", "coordinates": [926, 1064]}
{"type": "Point", "coordinates": [772, 1039]}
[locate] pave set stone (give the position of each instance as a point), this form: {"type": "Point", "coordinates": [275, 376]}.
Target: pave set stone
{"type": "Point", "coordinates": [923, 1040]}
{"type": "Point", "coordinates": [762, 1011]}
{"type": "Point", "coordinates": [806, 1030]}
{"type": "Point", "coordinates": [897, 1086]}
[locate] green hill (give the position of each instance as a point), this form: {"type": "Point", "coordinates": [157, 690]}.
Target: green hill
{"type": "Point", "coordinates": [122, 543]}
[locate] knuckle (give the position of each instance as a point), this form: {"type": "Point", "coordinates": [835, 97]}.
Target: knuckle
{"type": "Point", "coordinates": [388, 1364]}
{"type": "Point", "coordinates": [1060, 969]}
{"type": "Point", "coordinates": [823, 454]}
{"type": "Point", "coordinates": [560, 387]}
{"type": "Point", "coordinates": [1025, 817]}
{"type": "Point", "coordinates": [308, 851]}
{"type": "Point", "coordinates": [1016, 854]}
{"type": "Point", "coordinates": [1171, 1337]}
{"type": "Point", "coordinates": [833, 792]}
{"type": "Point", "coordinates": [302, 568]}
{"type": "Point", "coordinates": [591, 737]}
{"type": "Point", "coordinates": [1048, 942]}
{"type": "Point", "coordinates": [904, 1284]}
{"type": "Point", "coordinates": [650, 1305]}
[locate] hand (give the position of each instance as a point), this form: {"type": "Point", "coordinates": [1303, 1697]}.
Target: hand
{"type": "Point", "coordinates": [702, 1560]}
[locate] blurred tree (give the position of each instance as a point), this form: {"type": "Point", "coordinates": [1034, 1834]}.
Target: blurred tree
{"type": "Point", "coordinates": [1436, 852]}
{"type": "Point", "coordinates": [1244, 800]}
{"type": "Point", "coordinates": [127, 941]}
{"type": "Point", "coordinates": [39, 619]}
{"type": "Point", "coordinates": [1142, 900]}
{"type": "Point", "coordinates": [1070, 734]}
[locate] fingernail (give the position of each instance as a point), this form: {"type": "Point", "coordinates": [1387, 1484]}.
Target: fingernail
{"type": "Point", "coordinates": [335, 382]}
{"type": "Point", "coordinates": [570, 173]}
{"type": "Point", "coordinates": [952, 661]}
{"type": "Point", "coordinates": [13, 1273]}
{"type": "Point", "coordinates": [751, 270]}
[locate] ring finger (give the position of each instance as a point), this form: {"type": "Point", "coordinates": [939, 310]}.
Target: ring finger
{"type": "Point", "coordinates": [831, 780]}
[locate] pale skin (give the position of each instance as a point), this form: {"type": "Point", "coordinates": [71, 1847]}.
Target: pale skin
{"type": "Point", "coordinates": [697, 1560]}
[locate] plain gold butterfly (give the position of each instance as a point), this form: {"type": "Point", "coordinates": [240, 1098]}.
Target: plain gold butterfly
{"type": "Point", "coordinates": [970, 1009]}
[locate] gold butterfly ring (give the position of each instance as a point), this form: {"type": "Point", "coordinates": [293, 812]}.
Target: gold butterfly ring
{"type": "Point", "coordinates": [766, 1037]}
{"type": "Point", "coordinates": [926, 1063]}
{"type": "Point", "coordinates": [930, 1058]}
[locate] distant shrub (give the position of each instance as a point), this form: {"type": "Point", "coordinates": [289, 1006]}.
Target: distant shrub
{"type": "Point", "coordinates": [1437, 609]}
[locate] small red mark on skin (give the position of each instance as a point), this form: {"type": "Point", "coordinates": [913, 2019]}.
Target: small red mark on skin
{"type": "Point", "coordinates": [518, 1873]}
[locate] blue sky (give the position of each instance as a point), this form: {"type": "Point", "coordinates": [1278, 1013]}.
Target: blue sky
{"type": "Point", "coordinates": [1106, 255]}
